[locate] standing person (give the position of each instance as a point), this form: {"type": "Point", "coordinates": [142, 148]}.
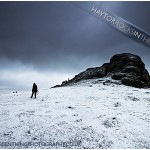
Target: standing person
{"type": "Point", "coordinates": [34, 90]}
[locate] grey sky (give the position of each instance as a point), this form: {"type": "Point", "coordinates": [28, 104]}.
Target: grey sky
{"type": "Point", "coordinates": [50, 41]}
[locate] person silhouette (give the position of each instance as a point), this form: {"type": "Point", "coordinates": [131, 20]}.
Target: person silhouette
{"type": "Point", "coordinates": [34, 90]}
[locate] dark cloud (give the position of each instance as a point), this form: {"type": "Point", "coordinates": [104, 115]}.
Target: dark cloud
{"type": "Point", "coordinates": [60, 37]}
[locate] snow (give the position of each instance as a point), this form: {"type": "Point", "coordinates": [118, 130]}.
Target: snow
{"type": "Point", "coordinates": [88, 114]}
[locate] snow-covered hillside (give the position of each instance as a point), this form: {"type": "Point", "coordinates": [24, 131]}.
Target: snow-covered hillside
{"type": "Point", "coordinates": [86, 115]}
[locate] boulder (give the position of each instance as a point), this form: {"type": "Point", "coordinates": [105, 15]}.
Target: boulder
{"type": "Point", "coordinates": [130, 69]}
{"type": "Point", "coordinates": [125, 63]}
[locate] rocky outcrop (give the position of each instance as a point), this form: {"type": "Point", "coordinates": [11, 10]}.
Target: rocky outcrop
{"type": "Point", "coordinates": [129, 69]}
{"type": "Point", "coordinates": [126, 67]}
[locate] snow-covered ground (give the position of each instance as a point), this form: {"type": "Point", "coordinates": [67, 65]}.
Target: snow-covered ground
{"type": "Point", "coordinates": [86, 115]}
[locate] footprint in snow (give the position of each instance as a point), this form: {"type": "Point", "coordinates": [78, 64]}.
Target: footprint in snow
{"type": "Point", "coordinates": [75, 115]}
{"type": "Point", "coordinates": [133, 98]}
{"type": "Point", "coordinates": [117, 104]}
{"type": "Point", "coordinates": [8, 133]}
{"type": "Point", "coordinates": [111, 122]}
{"type": "Point", "coordinates": [78, 120]}
{"type": "Point", "coordinates": [88, 107]}
{"type": "Point", "coordinates": [70, 107]}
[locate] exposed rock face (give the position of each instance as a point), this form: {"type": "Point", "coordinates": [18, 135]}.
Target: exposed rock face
{"type": "Point", "coordinates": [91, 73]}
{"type": "Point", "coordinates": [126, 67]}
{"type": "Point", "coordinates": [129, 69]}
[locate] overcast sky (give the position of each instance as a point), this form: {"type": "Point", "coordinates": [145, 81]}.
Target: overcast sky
{"type": "Point", "coordinates": [48, 42]}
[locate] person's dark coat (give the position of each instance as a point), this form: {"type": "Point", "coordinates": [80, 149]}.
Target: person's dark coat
{"type": "Point", "coordinates": [34, 88]}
